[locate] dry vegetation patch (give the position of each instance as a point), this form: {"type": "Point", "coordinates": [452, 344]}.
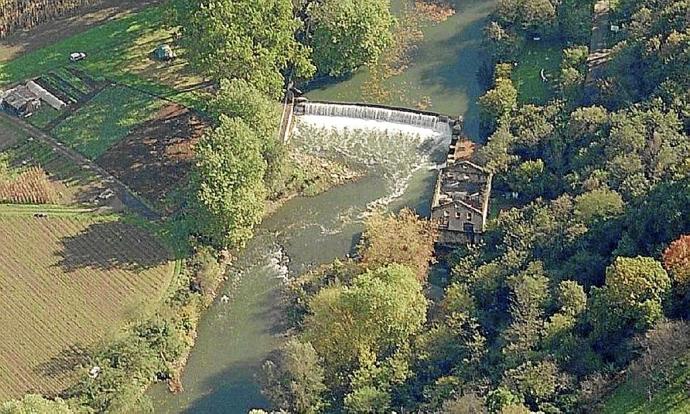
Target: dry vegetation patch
{"type": "Point", "coordinates": [32, 186]}
{"type": "Point", "coordinates": [66, 283]}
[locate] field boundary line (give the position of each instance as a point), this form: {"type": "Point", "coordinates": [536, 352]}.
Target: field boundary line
{"type": "Point", "coordinates": [128, 197]}
{"type": "Point", "coordinates": [47, 209]}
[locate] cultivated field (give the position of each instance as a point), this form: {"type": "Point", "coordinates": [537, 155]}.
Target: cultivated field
{"type": "Point", "coordinates": [31, 186]}
{"type": "Point", "coordinates": [62, 181]}
{"type": "Point", "coordinates": [156, 156]}
{"type": "Point", "coordinates": [66, 282]}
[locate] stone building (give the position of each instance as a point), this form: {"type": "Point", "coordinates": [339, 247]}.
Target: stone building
{"type": "Point", "coordinates": [20, 101]}
{"type": "Point", "coordinates": [461, 200]}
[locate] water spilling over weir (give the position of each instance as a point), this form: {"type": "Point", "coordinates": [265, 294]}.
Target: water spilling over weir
{"type": "Point", "coordinates": [390, 143]}
{"type": "Point", "coordinates": [434, 122]}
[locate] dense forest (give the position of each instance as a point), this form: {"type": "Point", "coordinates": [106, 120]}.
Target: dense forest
{"type": "Point", "coordinates": [581, 285]}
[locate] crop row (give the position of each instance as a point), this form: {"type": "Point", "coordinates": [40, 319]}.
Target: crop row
{"type": "Point", "coordinates": [70, 282]}
{"type": "Point", "coordinates": [29, 187]}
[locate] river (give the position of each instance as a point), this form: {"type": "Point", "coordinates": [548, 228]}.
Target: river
{"type": "Point", "coordinates": [234, 338]}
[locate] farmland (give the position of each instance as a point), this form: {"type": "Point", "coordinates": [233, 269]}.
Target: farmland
{"type": "Point", "coordinates": [157, 155]}
{"type": "Point", "coordinates": [119, 50]}
{"type": "Point", "coordinates": [69, 281]}
{"type": "Point", "coordinates": [31, 167]}
{"type": "Point", "coordinates": [106, 119]}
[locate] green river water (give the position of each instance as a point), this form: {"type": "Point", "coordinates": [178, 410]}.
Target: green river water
{"type": "Point", "coordinates": [237, 335]}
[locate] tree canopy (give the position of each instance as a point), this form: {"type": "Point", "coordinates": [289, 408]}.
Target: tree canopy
{"type": "Point", "coordinates": [246, 39]}
{"type": "Point", "coordinates": [228, 183]}
{"type": "Point", "coordinates": [348, 34]}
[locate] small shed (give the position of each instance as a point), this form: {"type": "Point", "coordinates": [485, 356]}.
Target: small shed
{"type": "Point", "coordinates": [164, 52]}
{"type": "Point", "coordinates": [20, 101]}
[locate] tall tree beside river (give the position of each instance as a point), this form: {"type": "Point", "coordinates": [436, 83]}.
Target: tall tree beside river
{"type": "Point", "coordinates": [349, 34]}
{"type": "Point", "coordinates": [245, 39]}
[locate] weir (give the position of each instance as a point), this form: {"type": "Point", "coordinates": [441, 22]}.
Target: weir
{"type": "Point", "coordinates": [419, 119]}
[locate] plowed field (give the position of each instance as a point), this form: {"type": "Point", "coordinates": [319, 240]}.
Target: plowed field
{"type": "Point", "coordinates": [65, 283]}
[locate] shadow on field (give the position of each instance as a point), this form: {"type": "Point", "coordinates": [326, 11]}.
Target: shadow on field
{"type": "Point", "coordinates": [112, 245]}
{"type": "Point", "coordinates": [63, 363]}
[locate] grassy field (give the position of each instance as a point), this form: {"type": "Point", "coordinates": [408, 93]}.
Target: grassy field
{"type": "Point", "coordinates": [527, 75]}
{"type": "Point", "coordinates": [106, 119]}
{"type": "Point", "coordinates": [44, 116]}
{"type": "Point", "coordinates": [631, 398]}
{"type": "Point", "coordinates": [119, 50]}
{"type": "Point", "coordinates": [67, 282]}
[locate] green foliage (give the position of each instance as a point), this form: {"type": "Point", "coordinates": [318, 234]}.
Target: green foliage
{"type": "Point", "coordinates": [35, 404]}
{"type": "Point", "coordinates": [296, 382]}
{"type": "Point", "coordinates": [240, 99]}
{"type": "Point", "coordinates": [598, 204]}
{"type": "Point", "coordinates": [632, 281]}
{"type": "Point", "coordinates": [376, 315]}
{"type": "Point", "coordinates": [228, 181]}
{"type": "Point", "coordinates": [498, 102]}
{"type": "Point", "coordinates": [249, 40]}
{"type": "Point", "coordinates": [367, 400]}
{"type": "Point", "coordinates": [534, 16]}
{"type": "Point", "coordinates": [349, 34]}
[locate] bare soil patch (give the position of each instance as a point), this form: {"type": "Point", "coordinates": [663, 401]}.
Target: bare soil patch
{"type": "Point", "coordinates": [156, 156]}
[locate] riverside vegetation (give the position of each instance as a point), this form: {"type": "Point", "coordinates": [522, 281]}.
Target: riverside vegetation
{"type": "Point", "coordinates": [586, 275]}
{"type": "Point", "coordinates": [577, 299]}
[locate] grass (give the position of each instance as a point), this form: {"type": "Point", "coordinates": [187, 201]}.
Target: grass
{"type": "Point", "coordinates": [70, 281]}
{"type": "Point", "coordinates": [44, 116]}
{"type": "Point", "coordinates": [534, 57]}
{"type": "Point", "coordinates": [631, 398]}
{"type": "Point", "coordinates": [118, 50]}
{"type": "Point", "coordinates": [106, 119]}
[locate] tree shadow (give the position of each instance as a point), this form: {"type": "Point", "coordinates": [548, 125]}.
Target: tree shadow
{"type": "Point", "coordinates": [112, 245]}
{"type": "Point", "coordinates": [65, 362]}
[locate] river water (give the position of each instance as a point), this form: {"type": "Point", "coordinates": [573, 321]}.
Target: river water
{"type": "Point", "coordinates": [234, 338]}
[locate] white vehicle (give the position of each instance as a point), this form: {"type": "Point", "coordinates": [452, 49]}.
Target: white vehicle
{"type": "Point", "coordinates": [77, 56]}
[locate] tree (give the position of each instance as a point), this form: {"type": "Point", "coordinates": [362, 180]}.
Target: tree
{"type": "Point", "coordinates": [633, 281]}
{"type": "Point", "coordinates": [349, 34]}
{"type": "Point", "coordinates": [467, 403]}
{"type": "Point", "coordinates": [631, 299]}
{"type": "Point", "coordinates": [536, 381]}
{"type": "Point", "coordinates": [367, 400]}
{"type": "Point", "coordinates": [404, 239]}
{"type": "Point", "coordinates": [295, 382]}
{"type": "Point", "coordinates": [229, 191]}
{"type": "Point", "coordinates": [239, 98]}
{"type": "Point", "coordinates": [35, 404]}
{"type": "Point", "coordinates": [245, 39]}
{"type": "Point", "coordinates": [677, 260]}
{"type": "Point", "coordinates": [527, 303]}
{"type": "Point", "coordinates": [598, 204]}
{"type": "Point", "coordinates": [374, 316]}
{"type": "Point", "coordinates": [497, 102]}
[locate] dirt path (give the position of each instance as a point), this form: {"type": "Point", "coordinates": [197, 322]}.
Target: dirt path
{"type": "Point", "coordinates": [598, 51]}
{"type": "Point", "coordinates": [84, 19]}
{"type": "Point", "coordinates": [128, 198]}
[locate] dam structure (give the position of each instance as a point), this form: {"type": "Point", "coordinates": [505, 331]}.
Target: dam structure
{"type": "Point", "coordinates": [386, 116]}
{"type": "Point", "coordinates": [394, 142]}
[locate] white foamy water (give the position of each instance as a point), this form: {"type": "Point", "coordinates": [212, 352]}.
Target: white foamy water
{"type": "Point", "coordinates": [392, 149]}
